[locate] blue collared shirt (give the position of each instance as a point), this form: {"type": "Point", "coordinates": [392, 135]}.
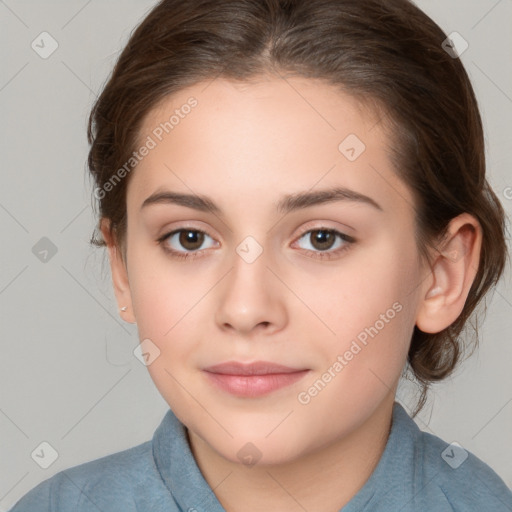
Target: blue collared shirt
{"type": "Point", "coordinates": [417, 472]}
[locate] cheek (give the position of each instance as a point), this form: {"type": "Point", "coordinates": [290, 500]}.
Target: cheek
{"type": "Point", "coordinates": [374, 323]}
{"type": "Point", "coordinates": [361, 368]}
{"type": "Point", "coordinates": [172, 326]}
{"type": "Point", "coordinates": [165, 294]}
{"type": "Point", "coordinates": [372, 297]}
{"type": "Point", "coordinates": [168, 314]}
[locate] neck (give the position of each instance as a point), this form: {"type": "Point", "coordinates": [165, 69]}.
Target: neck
{"type": "Point", "coordinates": [325, 480]}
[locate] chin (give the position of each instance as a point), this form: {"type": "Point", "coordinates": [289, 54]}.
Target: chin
{"type": "Point", "coordinates": [258, 450]}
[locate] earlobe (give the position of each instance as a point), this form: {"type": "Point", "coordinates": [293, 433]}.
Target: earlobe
{"type": "Point", "coordinates": [119, 274]}
{"type": "Point", "coordinates": [451, 275]}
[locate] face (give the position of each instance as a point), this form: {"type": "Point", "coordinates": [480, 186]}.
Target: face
{"type": "Point", "coordinates": [321, 294]}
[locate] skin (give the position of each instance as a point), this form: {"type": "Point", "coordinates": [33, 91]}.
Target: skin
{"type": "Point", "coordinates": [245, 146]}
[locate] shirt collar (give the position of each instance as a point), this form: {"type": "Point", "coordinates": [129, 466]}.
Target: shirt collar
{"type": "Point", "coordinates": [179, 470]}
{"type": "Point", "coordinates": [392, 478]}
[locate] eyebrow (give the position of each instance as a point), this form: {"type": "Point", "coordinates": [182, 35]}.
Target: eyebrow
{"type": "Point", "coordinates": [286, 204]}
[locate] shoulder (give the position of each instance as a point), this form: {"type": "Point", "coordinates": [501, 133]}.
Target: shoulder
{"type": "Point", "coordinates": [466, 482]}
{"type": "Point", "coordinates": [117, 478]}
{"type": "Point", "coordinates": [421, 472]}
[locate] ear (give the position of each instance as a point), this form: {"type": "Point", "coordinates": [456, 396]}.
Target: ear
{"type": "Point", "coordinates": [446, 288]}
{"type": "Point", "coordinates": [119, 273]}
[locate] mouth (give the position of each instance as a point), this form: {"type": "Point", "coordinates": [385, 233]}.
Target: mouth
{"type": "Point", "coordinates": [254, 379]}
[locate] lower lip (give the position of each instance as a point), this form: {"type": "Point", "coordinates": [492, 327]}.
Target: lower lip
{"type": "Point", "coordinates": [254, 385]}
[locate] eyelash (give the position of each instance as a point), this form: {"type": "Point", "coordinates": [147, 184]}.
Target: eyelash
{"type": "Point", "coordinates": [322, 255]}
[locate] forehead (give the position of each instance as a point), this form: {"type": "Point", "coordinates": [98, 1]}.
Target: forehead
{"type": "Point", "coordinates": [261, 101]}
{"type": "Point", "coordinates": [254, 139]}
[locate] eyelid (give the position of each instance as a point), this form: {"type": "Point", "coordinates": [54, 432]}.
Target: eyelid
{"type": "Point", "coordinates": [181, 226]}
{"type": "Point", "coordinates": [325, 224]}
{"type": "Point", "coordinates": [305, 229]}
{"type": "Point", "coordinates": [309, 226]}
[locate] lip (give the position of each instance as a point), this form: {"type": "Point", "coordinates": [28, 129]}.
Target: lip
{"type": "Point", "coordinates": [252, 379]}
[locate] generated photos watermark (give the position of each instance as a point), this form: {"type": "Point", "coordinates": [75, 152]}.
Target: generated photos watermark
{"type": "Point", "coordinates": [150, 143]}
{"type": "Point", "coordinates": [356, 346]}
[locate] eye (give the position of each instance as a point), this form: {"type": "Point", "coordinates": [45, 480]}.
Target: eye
{"type": "Point", "coordinates": [321, 240]}
{"type": "Point", "coordinates": [188, 238]}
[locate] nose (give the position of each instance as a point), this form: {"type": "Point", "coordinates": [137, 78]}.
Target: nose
{"type": "Point", "coordinates": [251, 299]}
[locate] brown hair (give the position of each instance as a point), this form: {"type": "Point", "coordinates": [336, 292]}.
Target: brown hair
{"type": "Point", "coordinates": [386, 53]}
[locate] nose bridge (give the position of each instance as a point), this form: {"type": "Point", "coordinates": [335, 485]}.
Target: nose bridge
{"type": "Point", "coordinates": [249, 297]}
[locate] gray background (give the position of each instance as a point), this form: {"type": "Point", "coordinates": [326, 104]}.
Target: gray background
{"type": "Point", "coordinates": [68, 374]}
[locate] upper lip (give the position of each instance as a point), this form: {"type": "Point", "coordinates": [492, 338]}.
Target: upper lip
{"type": "Point", "coordinates": [256, 368]}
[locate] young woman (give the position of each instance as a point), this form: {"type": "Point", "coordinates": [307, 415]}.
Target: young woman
{"type": "Point", "coordinates": [293, 198]}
